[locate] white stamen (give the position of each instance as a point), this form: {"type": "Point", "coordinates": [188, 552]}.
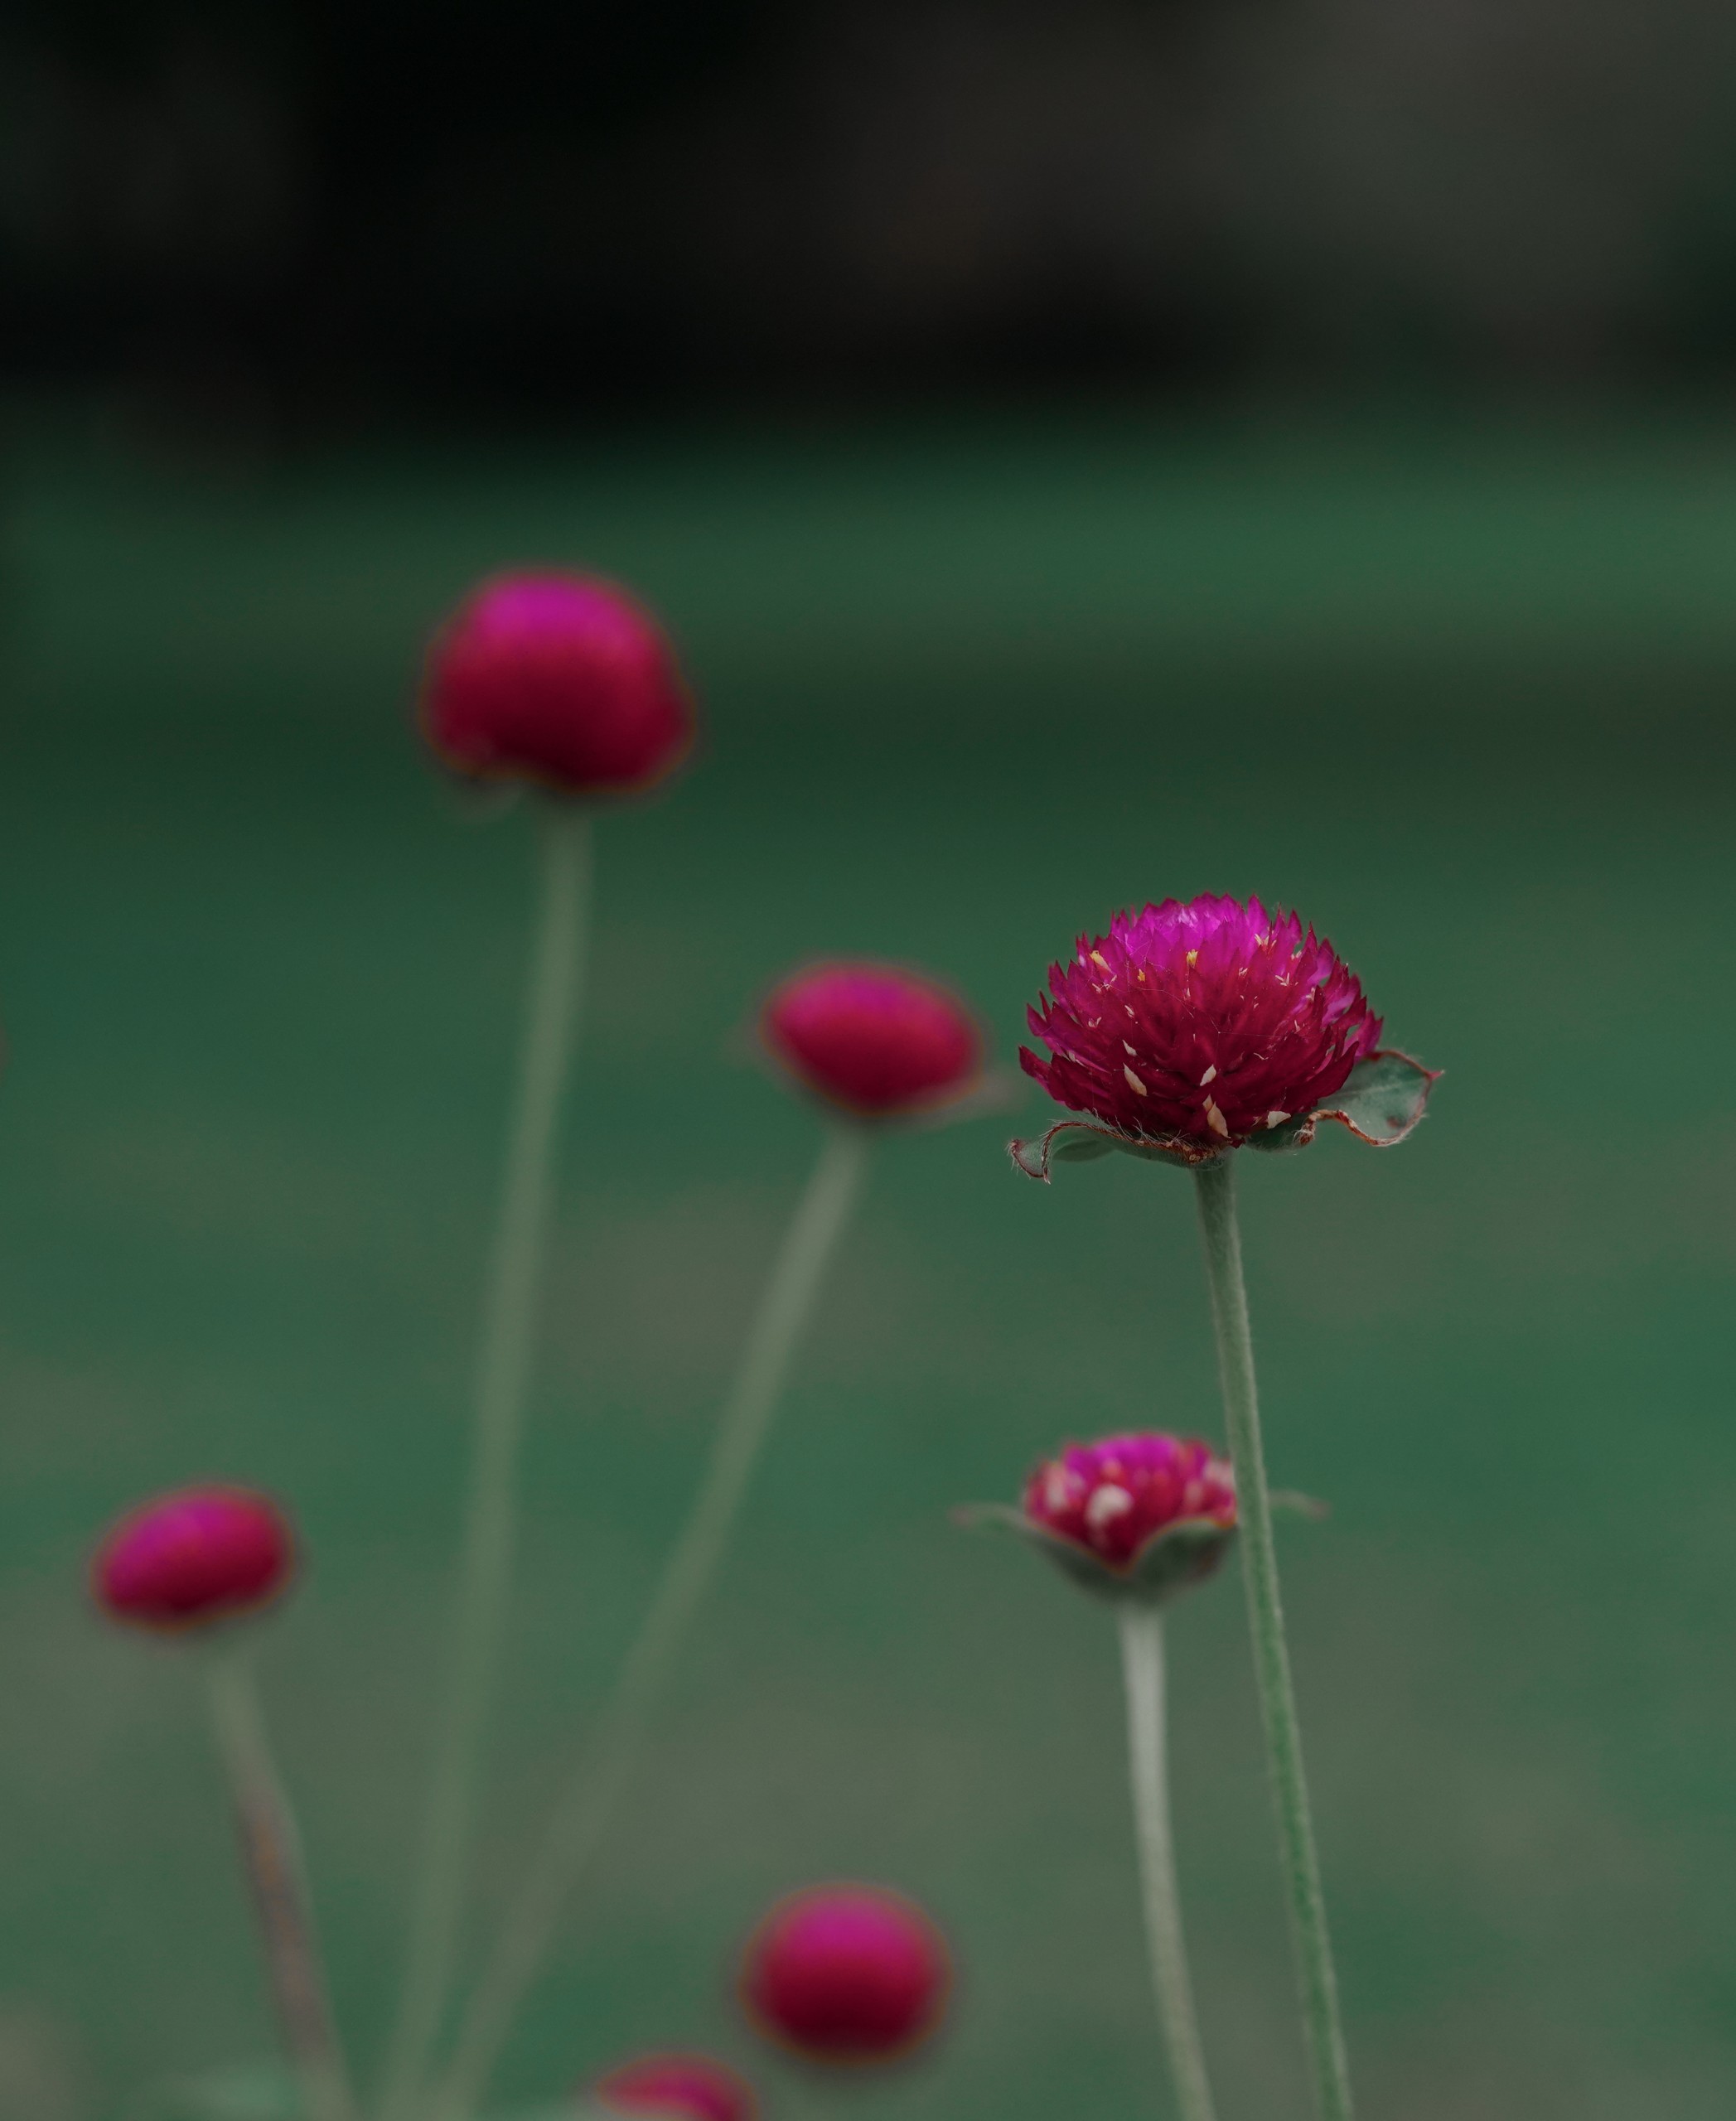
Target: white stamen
{"type": "Point", "coordinates": [1133, 1081]}
{"type": "Point", "coordinates": [1210, 1075]}
{"type": "Point", "coordinates": [1215, 1120]}
{"type": "Point", "coordinates": [1276, 1119]}
{"type": "Point", "coordinates": [1105, 1506]}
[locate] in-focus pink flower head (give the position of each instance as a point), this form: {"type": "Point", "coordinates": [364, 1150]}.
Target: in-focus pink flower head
{"type": "Point", "coordinates": [559, 678]}
{"type": "Point", "coordinates": [873, 1040]}
{"type": "Point", "coordinates": [194, 1556]}
{"type": "Point", "coordinates": [846, 1974]}
{"type": "Point", "coordinates": [675, 2088]}
{"type": "Point", "coordinates": [1193, 1028]}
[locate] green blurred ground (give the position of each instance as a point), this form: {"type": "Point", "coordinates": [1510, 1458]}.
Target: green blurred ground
{"type": "Point", "coordinates": [1464, 700]}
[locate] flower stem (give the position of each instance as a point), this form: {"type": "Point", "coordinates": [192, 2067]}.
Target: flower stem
{"type": "Point", "coordinates": [1141, 1664]}
{"type": "Point", "coordinates": [582, 1816]}
{"type": "Point", "coordinates": [1216, 1192]}
{"type": "Point", "coordinates": [271, 1853]}
{"type": "Point", "coordinates": [485, 1568]}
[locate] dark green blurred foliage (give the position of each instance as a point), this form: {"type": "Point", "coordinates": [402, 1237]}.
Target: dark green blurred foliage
{"type": "Point", "coordinates": [1465, 704]}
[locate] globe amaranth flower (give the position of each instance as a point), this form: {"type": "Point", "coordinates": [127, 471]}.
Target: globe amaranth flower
{"type": "Point", "coordinates": [846, 1974]}
{"type": "Point", "coordinates": [675, 2088]}
{"type": "Point", "coordinates": [193, 1557]}
{"type": "Point", "coordinates": [1193, 1028]}
{"type": "Point", "coordinates": [875, 1040]}
{"type": "Point", "coordinates": [559, 678]}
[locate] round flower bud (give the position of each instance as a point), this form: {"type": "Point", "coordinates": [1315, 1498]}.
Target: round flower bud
{"type": "Point", "coordinates": [1201, 1025]}
{"type": "Point", "coordinates": [193, 1557]}
{"type": "Point", "coordinates": [846, 1974]}
{"type": "Point", "coordinates": [559, 678]}
{"type": "Point", "coordinates": [675, 2088]}
{"type": "Point", "coordinates": [879, 1041]}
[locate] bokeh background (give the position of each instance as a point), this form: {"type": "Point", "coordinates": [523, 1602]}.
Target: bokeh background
{"type": "Point", "coordinates": [1085, 453]}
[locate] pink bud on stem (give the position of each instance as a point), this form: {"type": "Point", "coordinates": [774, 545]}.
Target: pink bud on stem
{"type": "Point", "coordinates": [846, 1976]}
{"type": "Point", "coordinates": [562, 682]}
{"type": "Point", "coordinates": [879, 1047]}
{"type": "Point", "coordinates": [186, 1564]}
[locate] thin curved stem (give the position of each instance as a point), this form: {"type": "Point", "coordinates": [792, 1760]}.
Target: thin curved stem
{"type": "Point", "coordinates": [582, 1816]}
{"type": "Point", "coordinates": [271, 1856]}
{"type": "Point", "coordinates": [1142, 1665]}
{"type": "Point", "coordinates": [1216, 1194]}
{"type": "Point", "coordinates": [503, 1369]}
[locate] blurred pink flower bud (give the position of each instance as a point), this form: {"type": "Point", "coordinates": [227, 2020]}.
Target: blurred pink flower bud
{"type": "Point", "coordinates": [678, 2087]}
{"type": "Point", "coordinates": [882, 1042]}
{"type": "Point", "coordinates": [1113, 1498]}
{"type": "Point", "coordinates": [193, 1557]}
{"type": "Point", "coordinates": [846, 1974]}
{"type": "Point", "coordinates": [556, 678]}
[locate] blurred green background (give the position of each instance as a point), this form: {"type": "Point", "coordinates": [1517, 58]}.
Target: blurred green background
{"type": "Point", "coordinates": [1459, 693]}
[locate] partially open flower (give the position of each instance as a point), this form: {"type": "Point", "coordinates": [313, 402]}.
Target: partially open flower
{"type": "Point", "coordinates": [557, 678]}
{"type": "Point", "coordinates": [879, 1041]}
{"type": "Point", "coordinates": [1142, 1516]}
{"type": "Point", "coordinates": [675, 2088]}
{"type": "Point", "coordinates": [846, 1974]}
{"type": "Point", "coordinates": [1191, 1029]}
{"type": "Point", "coordinates": [193, 1557]}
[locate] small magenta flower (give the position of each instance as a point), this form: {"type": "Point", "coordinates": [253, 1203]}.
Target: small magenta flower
{"type": "Point", "coordinates": [879, 1041]}
{"type": "Point", "coordinates": [676, 2088]}
{"type": "Point", "coordinates": [1141, 1516]}
{"type": "Point", "coordinates": [193, 1557]}
{"type": "Point", "coordinates": [557, 678]}
{"type": "Point", "coordinates": [1191, 1029]}
{"type": "Point", "coordinates": [1113, 1498]}
{"type": "Point", "coordinates": [846, 1974]}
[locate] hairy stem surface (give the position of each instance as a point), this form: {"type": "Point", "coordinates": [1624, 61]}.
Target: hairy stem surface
{"type": "Point", "coordinates": [583, 1814]}
{"type": "Point", "coordinates": [271, 1856]}
{"type": "Point", "coordinates": [1215, 1183]}
{"type": "Point", "coordinates": [485, 1569]}
{"type": "Point", "coordinates": [1141, 1664]}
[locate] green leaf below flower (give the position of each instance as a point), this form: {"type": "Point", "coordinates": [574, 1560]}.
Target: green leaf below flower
{"type": "Point", "coordinates": [1172, 1561]}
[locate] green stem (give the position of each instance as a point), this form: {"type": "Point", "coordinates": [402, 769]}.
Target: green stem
{"type": "Point", "coordinates": [271, 1853]}
{"type": "Point", "coordinates": [1216, 1192]}
{"type": "Point", "coordinates": [582, 1817]}
{"type": "Point", "coordinates": [485, 1568]}
{"type": "Point", "coordinates": [1141, 1664]}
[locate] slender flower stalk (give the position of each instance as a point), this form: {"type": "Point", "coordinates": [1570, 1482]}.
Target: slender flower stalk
{"type": "Point", "coordinates": [1137, 1520]}
{"type": "Point", "coordinates": [1142, 1664]}
{"type": "Point", "coordinates": [583, 1816]}
{"type": "Point", "coordinates": [485, 1569]}
{"type": "Point", "coordinates": [271, 1851]}
{"type": "Point", "coordinates": [1216, 1182]}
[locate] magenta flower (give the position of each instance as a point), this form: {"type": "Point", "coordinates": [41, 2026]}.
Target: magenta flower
{"type": "Point", "coordinates": [676, 2088]}
{"type": "Point", "coordinates": [846, 1974]}
{"type": "Point", "coordinates": [556, 678]}
{"type": "Point", "coordinates": [1141, 1516]}
{"type": "Point", "coordinates": [193, 1557]}
{"type": "Point", "coordinates": [1191, 1029]}
{"type": "Point", "coordinates": [879, 1041]}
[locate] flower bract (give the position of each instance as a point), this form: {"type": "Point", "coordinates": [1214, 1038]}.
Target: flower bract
{"type": "Point", "coordinates": [675, 2088]}
{"type": "Point", "coordinates": [559, 678]}
{"type": "Point", "coordinates": [875, 1040]}
{"type": "Point", "coordinates": [1191, 1028]}
{"type": "Point", "coordinates": [847, 1973]}
{"type": "Point", "coordinates": [193, 1557]}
